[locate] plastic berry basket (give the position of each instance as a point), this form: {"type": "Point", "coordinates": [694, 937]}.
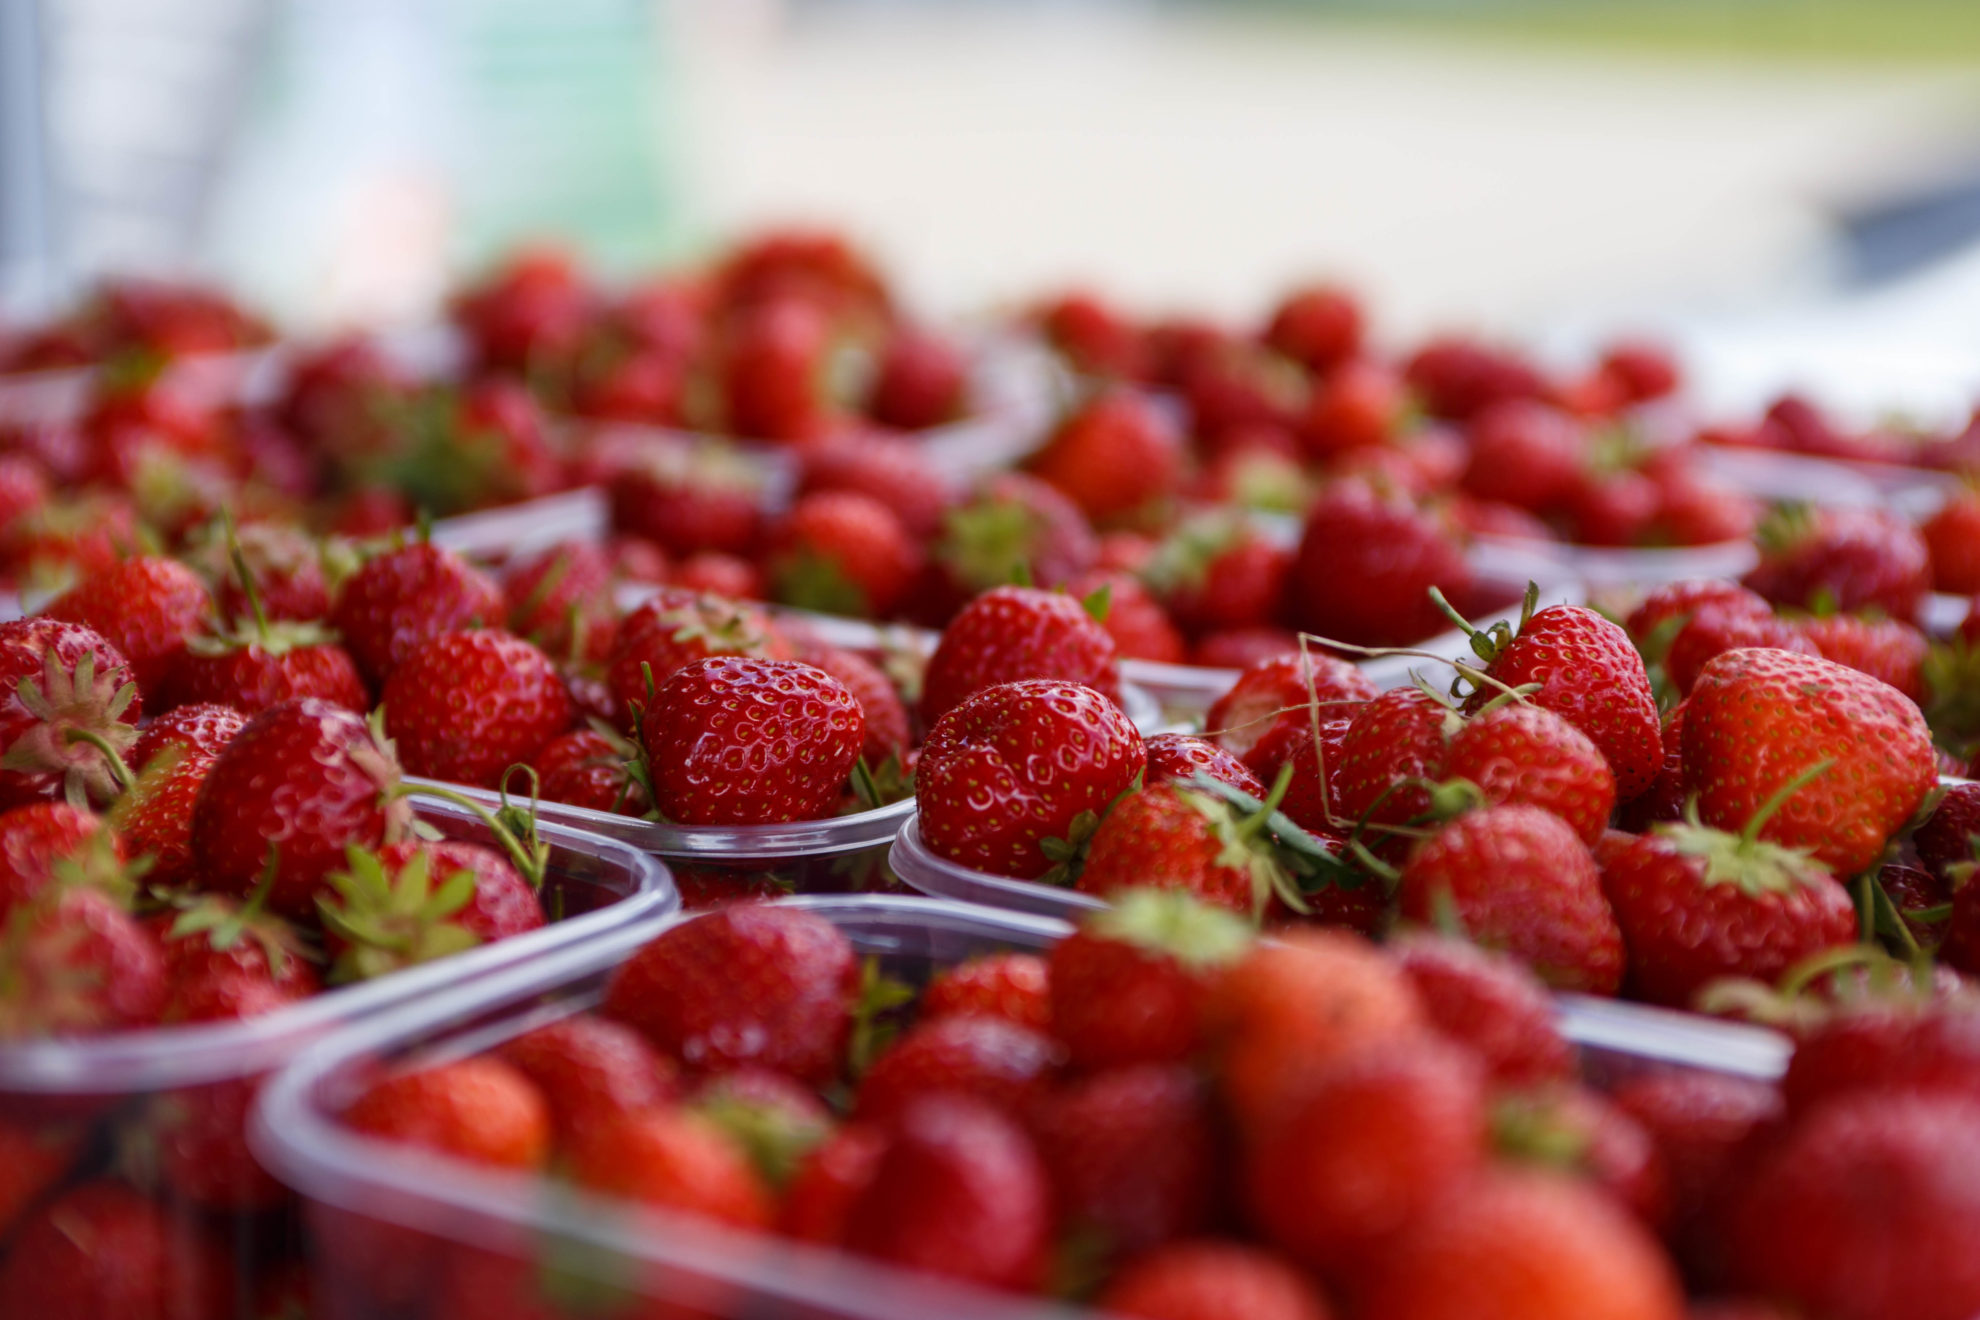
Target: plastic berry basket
{"type": "Point", "coordinates": [356, 1190]}
{"type": "Point", "coordinates": [163, 1110]}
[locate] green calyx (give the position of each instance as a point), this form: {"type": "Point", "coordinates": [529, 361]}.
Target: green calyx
{"type": "Point", "coordinates": [812, 581]}
{"type": "Point", "coordinates": [1789, 523]}
{"type": "Point", "coordinates": [1757, 868]}
{"type": "Point", "coordinates": [1488, 643]}
{"type": "Point", "coordinates": [394, 921]}
{"type": "Point", "coordinates": [78, 731]}
{"type": "Point", "coordinates": [775, 1139]}
{"type": "Point", "coordinates": [875, 1019]}
{"type": "Point", "coordinates": [1168, 921]}
{"type": "Point", "coordinates": [988, 543]}
{"type": "Point", "coordinates": [96, 865]}
{"type": "Point", "coordinates": [1182, 561]}
{"type": "Point", "coordinates": [224, 924]}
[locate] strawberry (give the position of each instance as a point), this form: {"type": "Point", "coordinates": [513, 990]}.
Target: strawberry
{"type": "Point", "coordinates": [988, 800]}
{"type": "Point", "coordinates": [203, 727]}
{"type": "Point", "coordinates": [1667, 608]}
{"type": "Point", "coordinates": [1242, 647]}
{"type": "Point", "coordinates": [989, 1059]}
{"type": "Point", "coordinates": [1234, 389]}
{"type": "Point", "coordinates": [587, 768]}
{"type": "Point", "coordinates": [1395, 738]}
{"type": "Point", "coordinates": [301, 782]}
{"type": "Point", "coordinates": [1361, 1147]}
{"type": "Point", "coordinates": [893, 471]}
{"type": "Point", "coordinates": [34, 1156]}
{"type": "Point", "coordinates": [1181, 756]}
{"type": "Point", "coordinates": [145, 607]}
{"type": "Point", "coordinates": [1837, 560]}
{"type": "Point", "coordinates": [1360, 405]}
{"type": "Point", "coordinates": [1589, 674]}
{"type": "Point", "coordinates": [1890, 1047]}
{"type": "Point", "coordinates": [1946, 837]}
{"type": "Point", "coordinates": [1132, 1154]}
{"type": "Point", "coordinates": [264, 664]}
{"type": "Point", "coordinates": [413, 902]}
{"type": "Point", "coordinates": [102, 1251]}
{"type": "Point", "coordinates": [1317, 326]}
{"type": "Point", "coordinates": [529, 312]}
{"type": "Point", "coordinates": [560, 599]}
{"type": "Point", "coordinates": [1518, 878]}
{"type": "Point", "coordinates": [402, 597]}
{"type": "Point", "coordinates": [1140, 627]}
{"type": "Point", "coordinates": [1952, 542]}
{"type": "Point", "coordinates": [815, 266]}
{"type": "Point", "coordinates": [591, 1070]}
{"type": "Point", "coordinates": [154, 816]}
{"type": "Point", "coordinates": [226, 961]}
{"type": "Point", "coordinates": [919, 382]}
{"type": "Point", "coordinates": [1715, 629]}
{"type": "Point", "coordinates": [1611, 508]}
{"type": "Point", "coordinates": [285, 563]}
{"type": "Point", "coordinates": [480, 1110]}
{"type": "Point", "coordinates": [734, 741]}
{"type": "Point", "coordinates": [69, 696]}
{"type": "Point", "coordinates": [1212, 1280]}
{"type": "Point", "coordinates": [1524, 453]}
{"type": "Point", "coordinates": [672, 1159]}
{"type": "Point", "coordinates": [1757, 719]}
{"type": "Point", "coordinates": [1129, 985]}
{"type": "Point", "coordinates": [1284, 686]}
{"type": "Point", "coordinates": [959, 1191]}
{"type": "Point", "coordinates": [840, 552]}
{"type": "Point", "coordinates": [1487, 1003]}
{"type": "Point", "coordinates": [57, 543]}
{"type": "Point", "coordinates": [1365, 566]}
{"type": "Point", "coordinates": [1116, 457]}
{"type": "Point", "coordinates": [828, 1181]}
{"type": "Point", "coordinates": [887, 734]}
{"type": "Point", "coordinates": [1218, 571]}
{"type": "Point", "coordinates": [1665, 798]}
{"type": "Point", "coordinates": [712, 573]}
{"type": "Point", "coordinates": [677, 626]}
{"type": "Point", "coordinates": [1013, 986]}
{"type": "Point", "coordinates": [1183, 839]}
{"type": "Point", "coordinates": [775, 1119]}
{"type": "Point", "coordinates": [1867, 1209]}
{"type": "Point", "coordinates": [1456, 377]}
{"type": "Point", "coordinates": [465, 706]}
{"type": "Point", "coordinates": [200, 1134]}
{"type": "Point", "coordinates": [35, 840]}
{"type": "Point", "coordinates": [1520, 753]}
{"type": "Point", "coordinates": [688, 497]}
{"type": "Point", "coordinates": [1572, 1129]}
{"type": "Point", "coordinates": [77, 963]}
{"type": "Point", "coordinates": [1096, 338]}
{"type": "Point", "coordinates": [1011, 634]}
{"type": "Point", "coordinates": [1011, 526]}
{"type": "Point", "coordinates": [1885, 649]}
{"type": "Point", "coordinates": [743, 985]}
{"type": "Point", "coordinates": [773, 370]}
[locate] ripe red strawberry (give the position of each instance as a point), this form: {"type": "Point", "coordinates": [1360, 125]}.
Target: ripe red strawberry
{"type": "Point", "coordinates": [1867, 1209]}
{"type": "Point", "coordinates": [1457, 377]}
{"type": "Point", "coordinates": [734, 741]}
{"type": "Point", "coordinates": [1590, 675]}
{"type": "Point", "coordinates": [1487, 1003]}
{"type": "Point", "coordinates": [1892, 1047]}
{"type": "Point", "coordinates": [894, 471]}
{"type": "Point", "coordinates": [531, 311]}
{"type": "Point", "coordinates": [919, 382]}
{"type": "Point", "coordinates": [775, 1119]}
{"type": "Point", "coordinates": [402, 597]}
{"type": "Point", "coordinates": [1838, 560]}
{"type": "Point", "coordinates": [481, 1110]}
{"type": "Point", "coordinates": [302, 781]}
{"type": "Point", "coordinates": [712, 573]}
{"type": "Point", "coordinates": [672, 1159]}
{"type": "Point", "coordinates": [561, 600]}
{"type": "Point", "coordinates": [586, 768]}
{"type": "Point", "coordinates": [746, 985]}
{"type": "Point", "coordinates": [1132, 1154]}
{"type": "Point", "coordinates": [1365, 566]}
{"type": "Point", "coordinates": [887, 733]}
{"type": "Point", "coordinates": [1217, 571]}
{"type": "Point", "coordinates": [688, 498]}
{"type": "Point", "coordinates": [416, 901]}
{"type": "Point", "coordinates": [199, 1135]}
{"type": "Point", "coordinates": [1885, 649]}
{"type": "Point", "coordinates": [1759, 718]}
{"type": "Point", "coordinates": [1129, 986]}
{"type": "Point", "coordinates": [154, 816]}
{"type": "Point", "coordinates": [1096, 338]}
{"type": "Point", "coordinates": [773, 372]}
{"type": "Point", "coordinates": [1946, 837]}
{"type": "Point", "coordinates": [1952, 541]}
{"type": "Point", "coordinates": [34, 1156]}
{"type": "Point", "coordinates": [590, 1070]}
{"type": "Point", "coordinates": [1524, 453]}
{"type": "Point", "coordinates": [465, 706]}
{"type": "Point", "coordinates": [287, 565]}
{"type": "Point", "coordinates": [989, 1059]}
{"type": "Point", "coordinates": [828, 1182]}
{"type": "Point", "coordinates": [78, 963]}
{"type": "Point", "coordinates": [1713, 629]}
{"type": "Point", "coordinates": [1171, 837]}
{"type": "Point", "coordinates": [1014, 633]}
{"type": "Point", "coordinates": [840, 552]}
{"type": "Point", "coordinates": [1012, 524]}
{"type": "Point", "coordinates": [1012, 986]}
{"type": "Point", "coordinates": [66, 689]}
{"type": "Point", "coordinates": [225, 961]}
{"type": "Point", "coordinates": [103, 1250]}
{"type": "Point", "coordinates": [1282, 687]}
{"type": "Point", "coordinates": [202, 727]}
{"type": "Point", "coordinates": [1573, 1129]}
{"type": "Point", "coordinates": [35, 840]}
{"type": "Point", "coordinates": [678, 626]}
{"type": "Point", "coordinates": [1362, 1147]}
{"type": "Point", "coordinates": [263, 665]}
{"type": "Point", "coordinates": [1398, 735]}
{"type": "Point", "coordinates": [1317, 326]}
{"type": "Point", "coordinates": [1212, 1280]}
{"type": "Point", "coordinates": [1518, 878]}
{"type": "Point", "coordinates": [990, 742]}
{"type": "Point", "coordinates": [1116, 457]}
{"type": "Point", "coordinates": [145, 607]}
{"type": "Point", "coordinates": [959, 1191]}
{"type": "Point", "coordinates": [1140, 627]}
{"type": "Point", "coordinates": [1520, 753]}
{"type": "Point", "coordinates": [1241, 648]}
{"type": "Point", "coordinates": [1666, 609]}
{"type": "Point", "coordinates": [1182, 756]}
{"type": "Point", "coordinates": [1360, 405]}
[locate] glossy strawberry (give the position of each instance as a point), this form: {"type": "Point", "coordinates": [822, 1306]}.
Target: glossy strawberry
{"type": "Point", "coordinates": [1842, 560]}
{"type": "Point", "coordinates": [1397, 737]}
{"type": "Point", "coordinates": [262, 665]}
{"type": "Point", "coordinates": [1012, 986]}
{"type": "Point", "coordinates": [226, 961]}
{"type": "Point", "coordinates": [465, 706]}
{"type": "Point", "coordinates": [1520, 753]}
{"type": "Point", "coordinates": [887, 731]}
{"type": "Point", "coordinates": [672, 1159]}
{"type": "Point", "coordinates": [1885, 649]}
{"type": "Point", "coordinates": [1172, 837]}
{"type": "Point", "coordinates": [67, 692]}
{"type": "Point", "coordinates": [154, 816]}
{"type": "Point", "coordinates": [988, 801]}
{"type": "Point", "coordinates": [1946, 836]}
{"type": "Point", "coordinates": [841, 552]}
{"type": "Point", "coordinates": [561, 600]}
{"type": "Point", "coordinates": [586, 768]}
{"type": "Point", "coordinates": [1182, 756]}
{"type": "Point", "coordinates": [1115, 457]}
{"type": "Point", "coordinates": [677, 626]}
{"type": "Point", "coordinates": [1283, 688]}
{"type": "Point", "coordinates": [35, 841]}
{"type": "Point", "coordinates": [145, 607]}
{"type": "Point", "coordinates": [1714, 629]}
{"type": "Point", "coordinates": [201, 727]}
{"type": "Point", "coordinates": [405, 596]}
{"type": "Point", "coordinates": [1015, 633]}
{"type": "Point", "coordinates": [1667, 608]}
{"type": "Point", "coordinates": [1140, 627]}
{"type": "Point", "coordinates": [896, 472]}
{"type": "Point", "coordinates": [1365, 567]}
{"type": "Point", "coordinates": [591, 1070]}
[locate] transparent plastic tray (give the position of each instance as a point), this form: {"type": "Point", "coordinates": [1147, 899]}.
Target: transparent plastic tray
{"type": "Point", "coordinates": [356, 1189]}
{"type": "Point", "coordinates": [120, 1097]}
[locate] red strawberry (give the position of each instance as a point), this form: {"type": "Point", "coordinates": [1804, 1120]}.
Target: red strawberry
{"type": "Point", "coordinates": [959, 1191]}
{"type": "Point", "coordinates": [773, 370]}
{"type": "Point", "coordinates": [591, 1070]}
{"type": "Point", "coordinates": [413, 902]}
{"type": "Point", "coordinates": [1667, 608]}
{"type": "Point", "coordinates": [734, 741]}
{"type": "Point", "coordinates": [586, 768]}
{"type": "Point", "coordinates": [1570, 1128]}
{"type": "Point", "coordinates": [990, 1059]}
{"type": "Point", "coordinates": [155, 815]}
{"type": "Point", "coordinates": [1757, 719]}
{"type": "Point", "coordinates": [1359, 406]}
{"type": "Point", "coordinates": [1365, 566]}
{"type": "Point", "coordinates": [302, 781]}
{"type": "Point", "coordinates": [1171, 837]}
{"type": "Point", "coordinates": [481, 1110]}
{"type": "Point", "coordinates": [1284, 686]}
{"type": "Point", "coordinates": [1398, 735]}
{"type": "Point", "coordinates": [226, 961]}
{"type": "Point", "coordinates": [1181, 756]}
{"type": "Point", "coordinates": [1012, 986]}
{"type": "Point", "coordinates": [840, 552]}
{"type": "Point", "coordinates": [895, 472]}
{"type": "Point", "coordinates": [1011, 525]}
{"type": "Point", "coordinates": [1519, 879]}
{"type": "Point", "coordinates": [1234, 390]}
{"type": "Point", "coordinates": [102, 1251]}
{"type": "Point", "coordinates": [530, 311]}
{"type": "Point", "coordinates": [1524, 453]}
{"type": "Point", "coordinates": [990, 743]}
{"type": "Point", "coordinates": [1520, 753]}
{"type": "Point", "coordinates": [919, 382]}
{"type": "Point", "coordinates": [1946, 837]}
{"type": "Point", "coordinates": [1891, 1047]}
{"type": "Point", "coordinates": [1129, 986]}
{"type": "Point", "coordinates": [78, 963]}
{"type": "Point", "coordinates": [68, 693]}
{"type": "Point", "coordinates": [561, 600]}
{"type": "Point", "coordinates": [1096, 338]}
{"type": "Point", "coordinates": [1243, 647]}
{"type": "Point", "coordinates": [1489, 1004]}
{"type": "Point", "coordinates": [202, 727]}
{"type": "Point", "coordinates": [34, 1156]}
{"type": "Point", "coordinates": [35, 840]}
{"type": "Point", "coordinates": [1015, 633]}
{"type": "Point", "coordinates": [465, 706]}
{"type": "Point", "coordinates": [1116, 457]}
{"type": "Point", "coordinates": [1140, 627]}
{"type": "Point", "coordinates": [1318, 327]}
{"type": "Point", "coordinates": [402, 597]}
{"type": "Point", "coordinates": [287, 566]}
{"type": "Point", "coordinates": [743, 985]}
{"type": "Point", "coordinates": [1211, 1280]}
{"type": "Point", "coordinates": [262, 666]}
{"type": "Point", "coordinates": [677, 626]}
{"type": "Point", "coordinates": [1952, 540]}
{"type": "Point", "coordinates": [672, 1159]}
{"type": "Point", "coordinates": [879, 700]}
{"type": "Point", "coordinates": [1457, 377]}
{"type": "Point", "coordinates": [1715, 629]}
{"type": "Point", "coordinates": [688, 498]}
{"type": "Point", "coordinates": [145, 607]}
{"type": "Point", "coordinates": [1217, 571]}
{"type": "Point", "coordinates": [1836, 560]}
{"type": "Point", "coordinates": [1885, 649]}
{"type": "Point", "coordinates": [828, 1182]}
{"type": "Point", "coordinates": [712, 573]}
{"type": "Point", "coordinates": [202, 1148]}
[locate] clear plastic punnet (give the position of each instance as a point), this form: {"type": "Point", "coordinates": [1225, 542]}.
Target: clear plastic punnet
{"type": "Point", "coordinates": [162, 1112]}
{"type": "Point", "coordinates": [621, 1260]}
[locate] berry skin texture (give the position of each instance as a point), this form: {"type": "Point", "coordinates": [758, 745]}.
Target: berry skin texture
{"type": "Point", "coordinates": [1278, 689]}
{"type": "Point", "coordinates": [997, 1062]}
{"type": "Point", "coordinates": [677, 627]}
{"type": "Point", "coordinates": [1758, 718]}
{"type": "Point", "coordinates": [1170, 837]}
{"type": "Point", "coordinates": [585, 768]}
{"type": "Point", "coordinates": [304, 778]}
{"type": "Point", "coordinates": [1009, 634]}
{"type": "Point", "coordinates": [1519, 879]}
{"type": "Point", "coordinates": [1181, 756]}
{"type": "Point", "coordinates": [591, 1069]}
{"type": "Point", "coordinates": [1527, 754]}
{"type": "Point", "coordinates": [204, 727]}
{"type": "Point", "coordinates": [1488, 1003]}
{"type": "Point", "coordinates": [1398, 735]}
{"type": "Point", "coordinates": [674, 1160]}
{"type": "Point", "coordinates": [1523, 1246]}
{"type": "Point", "coordinates": [1013, 986]}
{"type": "Point", "coordinates": [1212, 1280]}
{"type": "Point", "coordinates": [144, 606]}
{"type": "Point", "coordinates": [745, 985]}
{"type": "Point", "coordinates": [1015, 765]}
{"type": "Point", "coordinates": [480, 1110]}
{"type": "Point", "coordinates": [734, 741]}
{"type": "Point", "coordinates": [842, 552]}
{"type": "Point", "coordinates": [1868, 1209]}
{"type": "Point", "coordinates": [404, 596]}
{"type": "Point", "coordinates": [253, 677]}
{"type": "Point", "coordinates": [465, 706]}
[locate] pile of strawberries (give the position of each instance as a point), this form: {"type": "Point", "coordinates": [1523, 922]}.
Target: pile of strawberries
{"type": "Point", "coordinates": [1164, 1117]}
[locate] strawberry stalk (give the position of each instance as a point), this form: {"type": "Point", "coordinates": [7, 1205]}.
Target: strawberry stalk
{"type": "Point", "coordinates": [513, 828]}
{"type": "Point", "coordinates": [113, 760]}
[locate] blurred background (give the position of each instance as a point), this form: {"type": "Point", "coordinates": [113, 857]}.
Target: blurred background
{"type": "Point", "coordinates": [1788, 189]}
